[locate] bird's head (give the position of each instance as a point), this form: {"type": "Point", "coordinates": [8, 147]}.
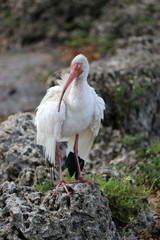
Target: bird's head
{"type": "Point", "coordinates": [79, 68]}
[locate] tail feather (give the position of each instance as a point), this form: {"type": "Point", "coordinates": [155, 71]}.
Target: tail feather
{"type": "Point", "coordinates": [72, 166]}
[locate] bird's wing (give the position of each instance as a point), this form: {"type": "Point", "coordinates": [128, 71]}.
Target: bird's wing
{"type": "Point", "coordinates": [86, 138]}
{"type": "Point", "coordinates": [49, 122]}
{"type": "Point", "coordinates": [98, 113]}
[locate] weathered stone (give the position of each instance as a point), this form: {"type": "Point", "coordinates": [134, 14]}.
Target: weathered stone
{"type": "Point", "coordinates": [144, 221]}
{"type": "Point", "coordinates": [44, 20]}
{"type": "Point", "coordinates": [18, 148]}
{"type": "Point", "coordinates": [84, 214]}
{"type": "Point", "coordinates": [26, 177]}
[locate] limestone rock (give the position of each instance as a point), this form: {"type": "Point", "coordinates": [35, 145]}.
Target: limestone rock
{"type": "Point", "coordinates": [84, 214]}
{"type": "Point", "coordinates": [44, 20]}
{"type": "Point", "coordinates": [18, 148]}
{"type": "Point", "coordinates": [144, 221]}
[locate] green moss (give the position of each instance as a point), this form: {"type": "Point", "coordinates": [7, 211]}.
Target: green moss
{"type": "Point", "coordinates": [144, 21]}
{"type": "Point", "coordinates": [151, 8]}
{"type": "Point", "coordinates": [87, 24]}
{"type": "Point", "coordinates": [79, 38]}
{"type": "Point", "coordinates": [82, 37]}
{"type": "Point", "coordinates": [9, 19]}
{"type": "Point", "coordinates": [76, 42]}
{"type": "Point", "coordinates": [105, 44]}
{"type": "Point", "coordinates": [43, 28]}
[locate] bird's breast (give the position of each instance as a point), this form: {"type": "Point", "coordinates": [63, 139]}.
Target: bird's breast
{"type": "Point", "coordinates": [79, 114]}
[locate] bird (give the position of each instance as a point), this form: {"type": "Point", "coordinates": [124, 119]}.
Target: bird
{"type": "Point", "coordinates": [70, 111]}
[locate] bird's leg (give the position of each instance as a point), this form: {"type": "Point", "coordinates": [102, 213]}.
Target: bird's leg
{"type": "Point", "coordinates": [80, 178]}
{"type": "Point", "coordinates": [76, 156]}
{"type": "Point", "coordinates": [59, 162]}
{"type": "Point", "coordinates": [61, 183]}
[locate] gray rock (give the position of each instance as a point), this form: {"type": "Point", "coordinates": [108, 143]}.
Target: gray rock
{"type": "Point", "coordinates": [144, 222]}
{"type": "Point", "coordinates": [59, 20]}
{"type": "Point", "coordinates": [26, 177]}
{"type": "Point", "coordinates": [18, 148]}
{"type": "Point", "coordinates": [123, 19]}
{"type": "Point", "coordinates": [84, 214]}
{"type": "Point", "coordinates": [44, 20]}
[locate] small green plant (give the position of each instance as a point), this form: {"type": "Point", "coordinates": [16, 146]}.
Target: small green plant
{"type": "Point", "coordinates": [132, 140]}
{"type": "Point", "coordinates": [106, 44]}
{"type": "Point", "coordinates": [78, 39]}
{"type": "Point", "coordinates": [126, 95]}
{"type": "Point", "coordinates": [67, 178]}
{"type": "Point", "coordinates": [145, 21]}
{"type": "Point", "coordinates": [86, 24]}
{"type": "Point", "coordinates": [9, 19]}
{"type": "Point", "coordinates": [128, 140]}
{"type": "Point", "coordinates": [150, 164]}
{"type": "Point", "coordinates": [43, 28]}
{"type": "Point", "coordinates": [82, 37]}
{"type": "Point", "coordinates": [125, 200]}
{"type": "Point", "coordinates": [44, 187]}
{"type": "Point", "coordinates": [154, 149]}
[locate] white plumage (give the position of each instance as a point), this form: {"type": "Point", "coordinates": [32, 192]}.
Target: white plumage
{"type": "Point", "coordinates": [81, 111]}
{"type": "Point", "coordinates": [72, 112]}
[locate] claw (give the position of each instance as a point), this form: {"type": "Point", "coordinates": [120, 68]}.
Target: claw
{"type": "Point", "coordinates": [82, 180]}
{"type": "Point", "coordinates": [61, 184]}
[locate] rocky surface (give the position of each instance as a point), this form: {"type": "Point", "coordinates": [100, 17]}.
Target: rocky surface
{"type": "Point", "coordinates": [124, 19]}
{"type": "Point", "coordinates": [23, 167]}
{"type": "Point", "coordinates": [18, 148]}
{"type": "Point", "coordinates": [63, 20]}
{"type": "Point", "coordinates": [145, 223]}
{"type": "Point", "coordinates": [26, 214]}
{"type": "Point", "coordinates": [42, 20]}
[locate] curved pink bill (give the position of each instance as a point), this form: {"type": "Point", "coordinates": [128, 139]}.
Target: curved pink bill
{"type": "Point", "coordinates": [71, 77]}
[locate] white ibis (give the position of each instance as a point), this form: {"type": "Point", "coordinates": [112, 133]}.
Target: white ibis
{"type": "Point", "coordinates": [71, 111]}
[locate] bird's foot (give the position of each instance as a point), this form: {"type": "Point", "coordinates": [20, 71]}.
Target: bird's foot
{"type": "Point", "coordinates": [61, 184]}
{"type": "Point", "coordinates": [82, 180]}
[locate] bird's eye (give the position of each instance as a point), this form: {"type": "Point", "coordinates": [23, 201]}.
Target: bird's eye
{"type": "Point", "coordinates": [79, 65]}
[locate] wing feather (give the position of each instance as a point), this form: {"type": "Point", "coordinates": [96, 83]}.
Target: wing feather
{"type": "Point", "coordinates": [49, 122]}
{"type": "Point", "coordinates": [98, 115]}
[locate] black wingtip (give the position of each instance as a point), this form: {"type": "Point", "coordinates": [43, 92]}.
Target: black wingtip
{"type": "Point", "coordinates": [72, 166]}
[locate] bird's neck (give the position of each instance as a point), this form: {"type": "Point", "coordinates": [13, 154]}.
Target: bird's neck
{"type": "Point", "coordinates": [78, 87]}
{"type": "Point", "coordinates": [78, 91]}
